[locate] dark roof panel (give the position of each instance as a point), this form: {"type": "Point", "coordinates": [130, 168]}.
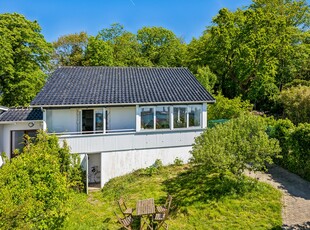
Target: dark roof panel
{"type": "Point", "coordinates": [120, 85]}
{"type": "Point", "coordinates": [25, 114]}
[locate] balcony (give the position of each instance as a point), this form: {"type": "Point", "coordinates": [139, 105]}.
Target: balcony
{"type": "Point", "coordinates": [124, 140]}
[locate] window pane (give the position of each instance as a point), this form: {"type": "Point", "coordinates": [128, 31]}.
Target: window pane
{"type": "Point", "coordinates": [179, 117]}
{"type": "Point", "coordinates": [147, 118]}
{"type": "Point", "coordinates": [194, 115]}
{"type": "Point", "coordinates": [99, 120]}
{"type": "Point", "coordinates": [18, 140]}
{"type": "Point", "coordinates": [87, 120]}
{"type": "Point", "coordinates": [162, 117]}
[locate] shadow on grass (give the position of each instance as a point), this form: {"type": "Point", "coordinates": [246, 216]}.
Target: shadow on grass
{"type": "Point", "coordinates": [195, 185]}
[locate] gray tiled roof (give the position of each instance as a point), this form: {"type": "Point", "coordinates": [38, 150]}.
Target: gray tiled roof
{"type": "Point", "coordinates": [120, 85]}
{"type": "Point", "coordinates": [24, 114]}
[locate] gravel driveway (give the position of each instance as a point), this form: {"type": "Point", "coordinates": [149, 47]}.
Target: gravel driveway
{"type": "Point", "coordinates": [296, 196]}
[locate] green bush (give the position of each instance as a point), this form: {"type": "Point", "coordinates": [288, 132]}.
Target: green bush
{"type": "Point", "coordinates": [225, 108]}
{"type": "Point", "coordinates": [178, 162]}
{"type": "Point", "coordinates": [296, 103]}
{"type": "Point", "coordinates": [239, 144]}
{"type": "Point", "coordinates": [153, 169]}
{"type": "Point", "coordinates": [69, 163]}
{"type": "Point", "coordinates": [34, 186]}
{"type": "Point", "coordinates": [33, 192]}
{"type": "Point", "coordinates": [297, 82]}
{"type": "Point", "coordinates": [300, 150]}
{"type": "Point", "coordinates": [281, 130]}
{"type": "Point", "coordinates": [294, 142]}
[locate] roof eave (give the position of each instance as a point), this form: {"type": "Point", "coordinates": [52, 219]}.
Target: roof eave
{"type": "Point", "coordinates": [122, 104]}
{"type": "Point", "coordinates": [14, 122]}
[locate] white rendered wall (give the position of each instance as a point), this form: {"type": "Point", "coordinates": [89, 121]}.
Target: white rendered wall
{"type": "Point", "coordinates": [115, 164]}
{"type": "Point", "coordinates": [6, 133]}
{"type": "Point", "coordinates": [121, 118]}
{"type": "Point", "coordinates": [61, 120]}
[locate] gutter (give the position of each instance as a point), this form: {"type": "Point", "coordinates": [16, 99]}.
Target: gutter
{"type": "Point", "coordinates": [14, 122]}
{"type": "Point", "coordinates": [121, 104]}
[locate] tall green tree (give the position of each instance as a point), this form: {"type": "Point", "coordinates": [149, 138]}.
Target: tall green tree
{"type": "Point", "coordinates": [255, 51]}
{"type": "Point", "coordinates": [24, 59]}
{"type": "Point", "coordinates": [126, 48]}
{"type": "Point", "coordinates": [70, 49]}
{"type": "Point", "coordinates": [206, 77]}
{"type": "Point", "coordinates": [98, 53]}
{"type": "Point", "coordinates": [161, 46]}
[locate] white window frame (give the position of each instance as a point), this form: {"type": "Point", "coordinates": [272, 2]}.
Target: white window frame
{"type": "Point", "coordinates": [171, 116]}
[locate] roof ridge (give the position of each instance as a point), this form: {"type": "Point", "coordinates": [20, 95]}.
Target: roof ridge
{"type": "Point", "coordinates": [126, 67]}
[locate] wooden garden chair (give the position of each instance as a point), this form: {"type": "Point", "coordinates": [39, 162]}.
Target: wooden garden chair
{"type": "Point", "coordinates": [123, 207]}
{"type": "Point", "coordinates": [162, 214]}
{"type": "Point", "coordinates": [163, 208]}
{"type": "Point", "coordinates": [159, 220]}
{"type": "Point", "coordinates": [126, 222]}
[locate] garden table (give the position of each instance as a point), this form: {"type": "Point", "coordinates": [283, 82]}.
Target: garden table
{"type": "Point", "coordinates": [145, 208]}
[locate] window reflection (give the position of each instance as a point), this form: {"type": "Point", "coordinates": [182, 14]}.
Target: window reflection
{"type": "Point", "coordinates": [99, 120]}
{"type": "Point", "coordinates": [162, 117]}
{"type": "Point", "coordinates": [147, 118]}
{"type": "Point", "coordinates": [194, 114]}
{"type": "Point", "coordinates": [179, 117]}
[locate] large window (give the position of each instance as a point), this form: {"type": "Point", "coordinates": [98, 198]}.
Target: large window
{"type": "Point", "coordinates": [170, 117]}
{"type": "Point", "coordinates": [162, 117]}
{"type": "Point", "coordinates": [147, 118]}
{"type": "Point", "coordinates": [194, 115]}
{"type": "Point", "coordinates": [179, 117]}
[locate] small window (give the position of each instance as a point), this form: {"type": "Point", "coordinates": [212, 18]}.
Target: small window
{"type": "Point", "coordinates": [162, 117]}
{"type": "Point", "coordinates": [18, 141]}
{"type": "Point", "coordinates": [194, 113]}
{"type": "Point", "coordinates": [179, 117]}
{"type": "Point", "coordinates": [147, 118]}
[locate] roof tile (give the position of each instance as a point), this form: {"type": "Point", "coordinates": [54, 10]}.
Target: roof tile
{"type": "Point", "coordinates": [120, 85]}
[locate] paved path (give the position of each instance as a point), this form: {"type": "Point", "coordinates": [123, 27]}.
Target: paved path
{"type": "Point", "coordinates": [296, 194]}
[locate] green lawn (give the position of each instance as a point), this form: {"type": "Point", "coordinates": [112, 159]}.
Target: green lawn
{"type": "Point", "coordinates": [199, 201]}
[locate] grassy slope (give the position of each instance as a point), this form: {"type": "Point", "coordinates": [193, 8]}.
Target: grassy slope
{"type": "Point", "coordinates": [196, 203]}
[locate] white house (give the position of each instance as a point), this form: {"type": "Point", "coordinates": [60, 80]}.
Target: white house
{"type": "Point", "coordinates": [117, 118]}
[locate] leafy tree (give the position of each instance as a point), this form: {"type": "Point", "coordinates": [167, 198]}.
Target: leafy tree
{"type": "Point", "coordinates": [127, 51]}
{"type": "Point", "coordinates": [296, 102]}
{"type": "Point", "coordinates": [70, 49]}
{"type": "Point", "coordinates": [161, 46]}
{"type": "Point", "coordinates": [126, 48]}
{"type": "Point", "coordinates": [225, 108]}
{"type": "Point", "coordinates": [206, 78]}
{"type": "Point", "coordinates": [234, 146]}
{"type": "Point", "coordinates": [98, 53]}
{"type": "Point", "coordinates": [24, 59]}
{"type": "Point", "coordinates": [254, 51]}
{"type": "Point", "coordinates": [111, 34]}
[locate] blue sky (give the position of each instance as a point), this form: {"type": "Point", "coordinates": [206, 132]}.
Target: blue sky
{"type": "Point", "coordinates": [186, 18]}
